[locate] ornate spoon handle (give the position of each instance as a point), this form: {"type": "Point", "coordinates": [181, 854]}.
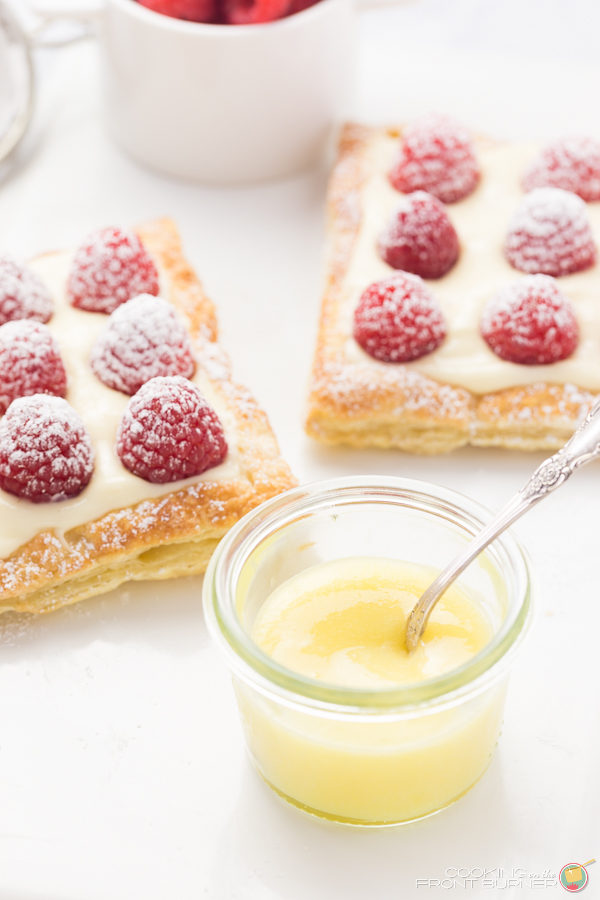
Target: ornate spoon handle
{"type": "Point", "coordinates": [581, 449]}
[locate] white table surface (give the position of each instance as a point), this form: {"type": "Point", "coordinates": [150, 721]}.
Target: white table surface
{"type": "Point", "coordinates": [122, 769]}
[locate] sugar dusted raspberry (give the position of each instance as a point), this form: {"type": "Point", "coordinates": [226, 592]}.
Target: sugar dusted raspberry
{"type": "Point", "coordinates": [45, 452]}
{"type": "Point", "coordinates": [572, 164]}
{"type": "Point", "coordinates": [30, 362]}
{"type": "Point", "coordinates": [530, 322]}
{"type": "Point", "coordinates": [420, 238]}
{"type": "Point", "coordinates": [192, 10]}
{"type": "Point", "coordinates": [398, 319]}
{"type": "Point", "coordinates": [143, 339]}
{"type": "Point", "coordinates": [436, 155]}
{"type": "Point", "coordinates": [109, 268]}
{"type": "Point", "coordinates": [22, 294]}
{"type": "Point", "coordinates": [550, 234]}
{"type": "Point", "coordinates": [253, 12]}
{"type": "Point", "coordinates": [169, 431]}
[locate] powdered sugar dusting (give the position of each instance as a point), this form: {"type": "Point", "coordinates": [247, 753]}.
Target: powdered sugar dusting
{"type": "Point", "coordinates": [572, 163]}
{"type": "Point", "coordinates": [109, 268]}
{"type": "Point", "coordinates": [566, 406]}
{"type": "Point", "coordinates": [213, 359]}
{"type": "Point", "coordinates": [398, 319]}
{"type": "Point", "coordinates": [420, 238]}
{"type": "Point", "coordinates": [112, 486]}
{"type": "Point", "coordinates": [144, 339]}
{"type": "Point", "coordinates": [45, 452]}
{"type": "Point", "coordinates": [360, 387]}
{"type": "Point", "coordinates": [436, 155]}
{"type": "Point", "coordinates": [531, 322]}
{"type": "Point", "coordinates": [169, 432]}
{"type": "Point", "coordinates": [22, 294]}
{"type": "Point", "coordinates": [550, 234]}
{"type": "Point", "coordinates": [30, 362]}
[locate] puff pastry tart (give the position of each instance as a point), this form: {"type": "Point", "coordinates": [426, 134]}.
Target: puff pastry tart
{"type": "Point", "coordinates": [126, 450]}
{"type": "Point", "coordinates": [462, 294]}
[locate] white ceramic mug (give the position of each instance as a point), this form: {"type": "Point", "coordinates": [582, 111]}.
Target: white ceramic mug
{"type": "Point", "coordinates": [226, 104]}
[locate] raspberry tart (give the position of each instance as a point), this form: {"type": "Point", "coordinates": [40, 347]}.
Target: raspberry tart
{"type": "Point", "coordinates": [105, 477]}
{"type": "Point", "coordinates": [518, 371]}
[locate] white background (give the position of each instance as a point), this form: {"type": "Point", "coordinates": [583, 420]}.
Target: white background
{"type": "Point", "coordinates": [122, 770]}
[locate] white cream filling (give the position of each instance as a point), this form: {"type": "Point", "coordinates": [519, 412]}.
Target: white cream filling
{"type": "Point", "coordinates": [112, 485]}
{"type": "Point", "coordinates": [481, 221]}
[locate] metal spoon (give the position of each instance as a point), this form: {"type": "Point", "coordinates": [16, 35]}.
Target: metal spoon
{"type": "Point", "coordinates": [581, 449]}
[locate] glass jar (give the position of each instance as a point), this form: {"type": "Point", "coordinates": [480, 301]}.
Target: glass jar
{"type": "Point", "coordinates": [365, 756]}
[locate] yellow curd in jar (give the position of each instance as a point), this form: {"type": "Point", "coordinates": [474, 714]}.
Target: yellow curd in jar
{"type": "Point", "coordinates": [343, 623]}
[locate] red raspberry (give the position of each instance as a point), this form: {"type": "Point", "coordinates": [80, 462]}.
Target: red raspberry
{"type": "Point", "coordinates": [300, 5]}
{"type": "Point", "coordinates": [550, 234]}
{"type": "Point", "coordinates": [253, 12]}
{"type": "Point", "coordinates": [572, 164]}
{"type": "Point", "coordinates": [30, 362]}
{"type": "Point", "coordinates": [192, 10]}
{"type": "Point", "coordinates": [436, 155]}
{"type": "Point", "coordinates": [143, 339]}
{"type": "Point", "coordinates": [45, 452]}
{"type": "Point", "coordinates": [530, 322]}
{"type": "Point", "coordinates": [420, 238]}
{"type": "Point", "coordinates": [168, 431]}
{"type": "Point", "coordinates": [22, 294]}
{"type": "Point", "coordinates": [109, 268]}
{"type": "Point", "coordinates": [398, 319]}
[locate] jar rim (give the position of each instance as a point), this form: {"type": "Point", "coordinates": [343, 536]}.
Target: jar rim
{"type": "Point", "coordinates": [254, 666]}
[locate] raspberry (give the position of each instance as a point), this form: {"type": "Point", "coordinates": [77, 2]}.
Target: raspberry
{"type": "Point", "coordinates": [436, 155]}
{"type": "Point", "coordinates": [168, 431]}
{"type": "Point", "coordinates": [192, 10]}
{"type": "Point", "coordinates": [530, 322]}
{"type": "Point", "coordinates": [30, 362]}
{"type": "Point", "coordinates": [252, 12]}
{"type": "Point", "coordinates": [550, 234]}
{"type": "Point", "coordinates": [300, 5]}
{"type": "Point", "coordinates": [398, 319]}
{"type": "Point", "coordinates": [143, 339]}
{"type": "Point", "coordinates": [420, 238]}
{"type": "Point", "coordinates": [109, 268]}
{"type": "Point", "coordinates": [22, 294]}
{"type": "Point", "coordinates": [572, 164]}
{"type": "Point", "coordinates": [45, 452]}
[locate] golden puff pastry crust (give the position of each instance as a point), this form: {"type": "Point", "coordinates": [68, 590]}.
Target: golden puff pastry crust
{"type": "Point", "coordinates": [363, 403]}
{"type": "Point", "coordinates": [173, 534]}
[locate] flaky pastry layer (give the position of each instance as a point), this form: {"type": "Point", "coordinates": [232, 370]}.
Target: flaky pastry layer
{"type": "Point", "coordinates": [378, 405]}
{"type": "Point", "coordinates": [174, 534]}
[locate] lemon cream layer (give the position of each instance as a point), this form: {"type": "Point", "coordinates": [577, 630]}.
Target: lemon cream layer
{"type": "Point", "coordinates": [112, 486]}
{"type": "Point", "coordinates": [481, 221]}
{"type": "Point", "coordinates": [344, 622]}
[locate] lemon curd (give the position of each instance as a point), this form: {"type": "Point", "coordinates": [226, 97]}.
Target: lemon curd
{"type": "Point", "coordinates": [343, 623]}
